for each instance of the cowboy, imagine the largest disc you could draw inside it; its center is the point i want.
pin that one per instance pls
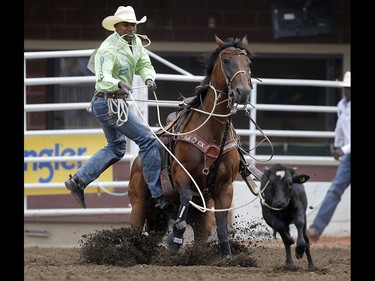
(342, 153)
(120, 56)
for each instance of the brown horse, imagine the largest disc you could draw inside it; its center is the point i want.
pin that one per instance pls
(206, 159)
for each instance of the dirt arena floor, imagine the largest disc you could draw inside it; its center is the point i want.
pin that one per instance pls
(102, 257)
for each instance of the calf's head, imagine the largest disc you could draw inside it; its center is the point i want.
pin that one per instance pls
(277, 185)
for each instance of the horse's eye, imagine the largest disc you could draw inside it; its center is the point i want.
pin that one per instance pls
(225, 60)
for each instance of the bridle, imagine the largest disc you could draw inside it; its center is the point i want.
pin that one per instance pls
(230, 93)
(228, 89)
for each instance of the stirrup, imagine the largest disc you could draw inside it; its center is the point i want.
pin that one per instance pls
(254, 188)
(247, 171)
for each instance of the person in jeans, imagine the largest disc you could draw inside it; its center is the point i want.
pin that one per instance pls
(120, 56)
(341, 153)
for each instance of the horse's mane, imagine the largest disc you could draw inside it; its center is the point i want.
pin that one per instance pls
(209, 62)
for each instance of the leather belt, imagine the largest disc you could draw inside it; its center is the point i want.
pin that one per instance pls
(112, 95)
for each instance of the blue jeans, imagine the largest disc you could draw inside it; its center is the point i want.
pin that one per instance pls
(332, 198)
(134, 129)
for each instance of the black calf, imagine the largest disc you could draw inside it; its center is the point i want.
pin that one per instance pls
(284, 202)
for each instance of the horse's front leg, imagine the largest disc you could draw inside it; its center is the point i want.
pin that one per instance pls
(222, 234)
(176, 239)
(224, 201)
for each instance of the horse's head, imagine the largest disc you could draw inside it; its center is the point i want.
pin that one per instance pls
(231, 70)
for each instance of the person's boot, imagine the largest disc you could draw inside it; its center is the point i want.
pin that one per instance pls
(76, 187)
(312, 234)
(161, 203)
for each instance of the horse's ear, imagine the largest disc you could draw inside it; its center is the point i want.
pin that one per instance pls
(219, 41)
(245, 42)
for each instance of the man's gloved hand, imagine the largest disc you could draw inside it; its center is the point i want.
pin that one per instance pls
(125, 87)
(151, 85)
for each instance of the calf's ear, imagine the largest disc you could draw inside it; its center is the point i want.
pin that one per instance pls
(301, 178)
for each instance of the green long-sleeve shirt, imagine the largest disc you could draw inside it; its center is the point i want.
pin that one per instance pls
(115, 62)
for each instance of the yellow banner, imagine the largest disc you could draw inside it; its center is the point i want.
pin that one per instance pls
(58, 172)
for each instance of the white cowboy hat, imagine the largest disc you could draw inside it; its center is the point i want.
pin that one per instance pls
(346, 79)
(122, 14)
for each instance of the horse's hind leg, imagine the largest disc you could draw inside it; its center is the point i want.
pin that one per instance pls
(138, 195)
(176, 239)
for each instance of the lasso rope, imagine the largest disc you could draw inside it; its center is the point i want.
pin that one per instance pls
(119, 107)
(186, 133)
(122, 116)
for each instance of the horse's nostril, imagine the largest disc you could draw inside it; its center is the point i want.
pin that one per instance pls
(243, 95)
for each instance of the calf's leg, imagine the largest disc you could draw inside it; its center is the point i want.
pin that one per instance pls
(303, 242)
(308, 253)
(287, 240)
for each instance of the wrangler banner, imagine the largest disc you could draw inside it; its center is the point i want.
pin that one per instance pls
(57, 171)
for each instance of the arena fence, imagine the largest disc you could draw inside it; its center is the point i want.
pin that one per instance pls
(185, 76)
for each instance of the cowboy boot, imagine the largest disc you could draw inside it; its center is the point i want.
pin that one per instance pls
(76, 186)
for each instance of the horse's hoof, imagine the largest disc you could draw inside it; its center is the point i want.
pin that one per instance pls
(225, 250)
(173, 249)
(174, 244)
